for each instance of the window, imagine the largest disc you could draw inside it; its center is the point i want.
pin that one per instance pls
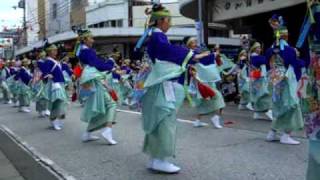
(113, 23)
(54, 11)
(119, 23)
(106, 24)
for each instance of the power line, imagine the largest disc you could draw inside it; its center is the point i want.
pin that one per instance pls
(32, 12)
(59, 9)
(35, 10)
(62, 8)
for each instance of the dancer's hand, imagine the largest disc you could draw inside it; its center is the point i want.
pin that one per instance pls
(49, 76)
(202, 55)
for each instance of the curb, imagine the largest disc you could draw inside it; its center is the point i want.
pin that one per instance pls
(30, 163)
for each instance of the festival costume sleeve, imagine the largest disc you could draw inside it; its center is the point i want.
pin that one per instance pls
(291, 57)
(160, 48)
(89, 56)
(41, 64)
(127, 69)
(66, 68)
(46, 68)
(208, 60)
(298, 68)
(17, 76)
(24, 76)
(116, 76)
(258, 61)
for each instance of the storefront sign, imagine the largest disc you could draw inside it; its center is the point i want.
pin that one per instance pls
(231, 9)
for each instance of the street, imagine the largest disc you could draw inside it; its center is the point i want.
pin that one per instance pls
(238, 152)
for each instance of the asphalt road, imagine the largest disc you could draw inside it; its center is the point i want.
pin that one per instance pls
(238, 152)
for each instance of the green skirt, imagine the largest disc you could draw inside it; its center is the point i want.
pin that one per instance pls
(5, 90)
(125, 89)
(260, 95)
(159, 121)
(42, 105)
(57, 93)
(286, 109)
(209, 106)
(24, 93)
(57, 109)
(313, 172)
(13, 86)
(40, 91)
(244, 88)
(57, 100)
(99, 108)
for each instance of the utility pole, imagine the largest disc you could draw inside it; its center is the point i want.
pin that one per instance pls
(205, 18)
(22, 5)
(130, 13)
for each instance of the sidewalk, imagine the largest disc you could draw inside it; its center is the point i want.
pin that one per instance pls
(7, 171)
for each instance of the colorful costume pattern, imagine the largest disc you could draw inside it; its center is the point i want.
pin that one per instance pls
(285, 102)
(260, 94)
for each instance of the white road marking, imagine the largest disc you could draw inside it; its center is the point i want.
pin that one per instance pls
(139, 113)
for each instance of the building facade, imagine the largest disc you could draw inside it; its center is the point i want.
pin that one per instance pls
(178, 20)
(250, 16)
(78, 13)
(108, 13)
(58, 16)
(32, 21)
(114, 23)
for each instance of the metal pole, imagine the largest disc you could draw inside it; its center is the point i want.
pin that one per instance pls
(24, 24)
(205, 20)
(200, 24)
(130, 13)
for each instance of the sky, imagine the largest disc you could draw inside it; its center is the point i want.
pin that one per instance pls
(10, 17)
